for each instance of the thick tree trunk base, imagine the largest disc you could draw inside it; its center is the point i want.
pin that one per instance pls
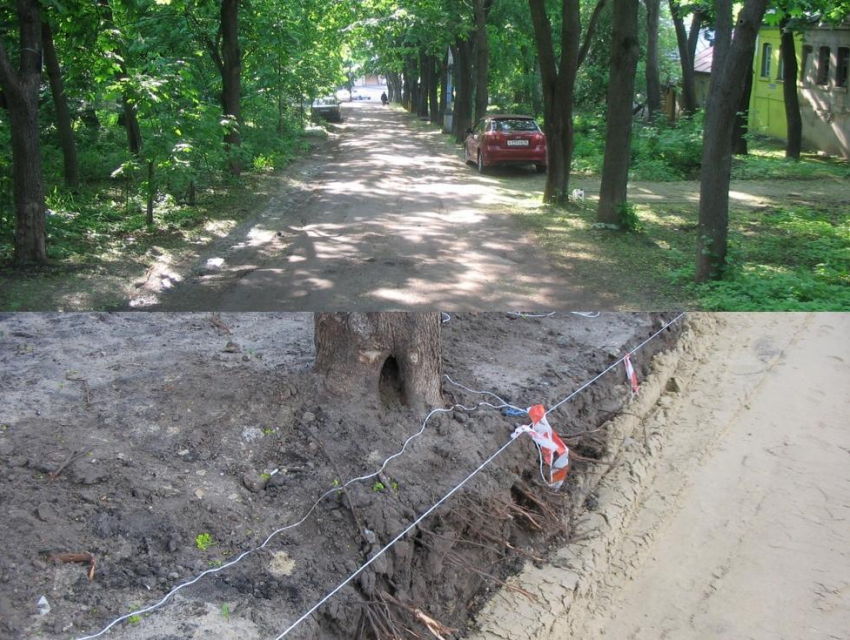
(394, 358)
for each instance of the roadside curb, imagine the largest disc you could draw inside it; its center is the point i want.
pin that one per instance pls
(575, 572)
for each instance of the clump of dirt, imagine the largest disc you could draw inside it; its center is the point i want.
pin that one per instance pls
(166, 445)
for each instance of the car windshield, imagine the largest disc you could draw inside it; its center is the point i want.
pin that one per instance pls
(515, 124)
(325, 101)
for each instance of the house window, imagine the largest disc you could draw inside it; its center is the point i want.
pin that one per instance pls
(766, 52)
(823, 66)
(806, 75)
(843, 65)
(780, 68)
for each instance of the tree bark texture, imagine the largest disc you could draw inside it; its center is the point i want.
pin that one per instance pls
(558, 79)
(434, 89)
(426, 75)
(394, 357)
(625, 48)
(63, 114)
(689, 93)
(742, 117)
(21, 90)
(482, 58)
(653, 79)
(789, 93)
(464, 89)
(728, 76)
(231, 78)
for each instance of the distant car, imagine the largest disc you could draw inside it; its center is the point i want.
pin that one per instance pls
(327, 108)
(506, 140)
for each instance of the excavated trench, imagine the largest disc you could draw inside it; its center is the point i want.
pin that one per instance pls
(190, 433)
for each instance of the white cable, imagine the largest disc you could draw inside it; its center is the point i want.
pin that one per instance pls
(444, 317)
(522, 314)
(485, 393)
(590, 382)
(411, 526)
(587, 314)
(309, 512)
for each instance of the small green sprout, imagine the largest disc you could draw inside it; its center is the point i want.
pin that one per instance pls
(225, 611)
(204, 541)
(378, 487)
(265, 476)
(268, 431)
(134, 619)
(336, 482)
(394, 485)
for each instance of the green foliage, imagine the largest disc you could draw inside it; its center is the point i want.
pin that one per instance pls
(225, 611)
(627, 217)
(204, 541)
(795, 259)
(378, 487)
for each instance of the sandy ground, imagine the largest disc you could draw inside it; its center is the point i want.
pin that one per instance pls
(734, 522)
(393, 220)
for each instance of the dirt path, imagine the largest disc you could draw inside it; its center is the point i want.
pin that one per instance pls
(736, 527)
(393, 220)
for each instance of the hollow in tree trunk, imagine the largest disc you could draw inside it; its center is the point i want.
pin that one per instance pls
(20, 88)
(621, 85)
(390, 357)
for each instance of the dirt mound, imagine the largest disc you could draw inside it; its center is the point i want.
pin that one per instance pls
(168, 445)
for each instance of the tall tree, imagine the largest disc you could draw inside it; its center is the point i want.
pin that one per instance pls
(793, 118)
(558, 75)
(653, 80)
(728, 77)
(60, 102)
(20, 88)
(621, 87)
(231, 79)
(686, 54)
(391, 357)
(482, 57)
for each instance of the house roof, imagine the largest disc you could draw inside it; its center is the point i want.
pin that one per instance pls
(703, 59)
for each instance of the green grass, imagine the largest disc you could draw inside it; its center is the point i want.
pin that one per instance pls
(794, 258)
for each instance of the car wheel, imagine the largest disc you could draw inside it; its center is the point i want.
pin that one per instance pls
(481, 168)
(541, 168)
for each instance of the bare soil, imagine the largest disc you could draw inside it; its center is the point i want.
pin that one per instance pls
(732, 521)
(127, 436)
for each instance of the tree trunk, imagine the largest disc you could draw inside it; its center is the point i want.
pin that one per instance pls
(558, 83)
(21, 90)
(426, 73)
(151, 194)
(482, 58)
(463, 87)
(689, 92)
(727, 83)
(653, 80)
(697, 20)
(231, 81)
(63, 115)
(434, 89)
(444, 83)
(742, 117)
(621, 85)
(391, 357)
(789, 93)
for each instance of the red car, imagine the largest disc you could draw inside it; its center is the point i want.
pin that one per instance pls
(506, 139)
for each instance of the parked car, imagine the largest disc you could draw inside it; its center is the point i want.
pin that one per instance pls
(506, 140)
(327, 108)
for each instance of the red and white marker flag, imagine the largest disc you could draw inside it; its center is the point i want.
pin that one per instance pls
(631, 375)
(555, 453)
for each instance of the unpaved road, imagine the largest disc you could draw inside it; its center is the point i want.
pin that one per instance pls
(740, 528)
(393, 220)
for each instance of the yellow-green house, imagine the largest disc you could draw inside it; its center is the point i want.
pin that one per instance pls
(823, 61)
